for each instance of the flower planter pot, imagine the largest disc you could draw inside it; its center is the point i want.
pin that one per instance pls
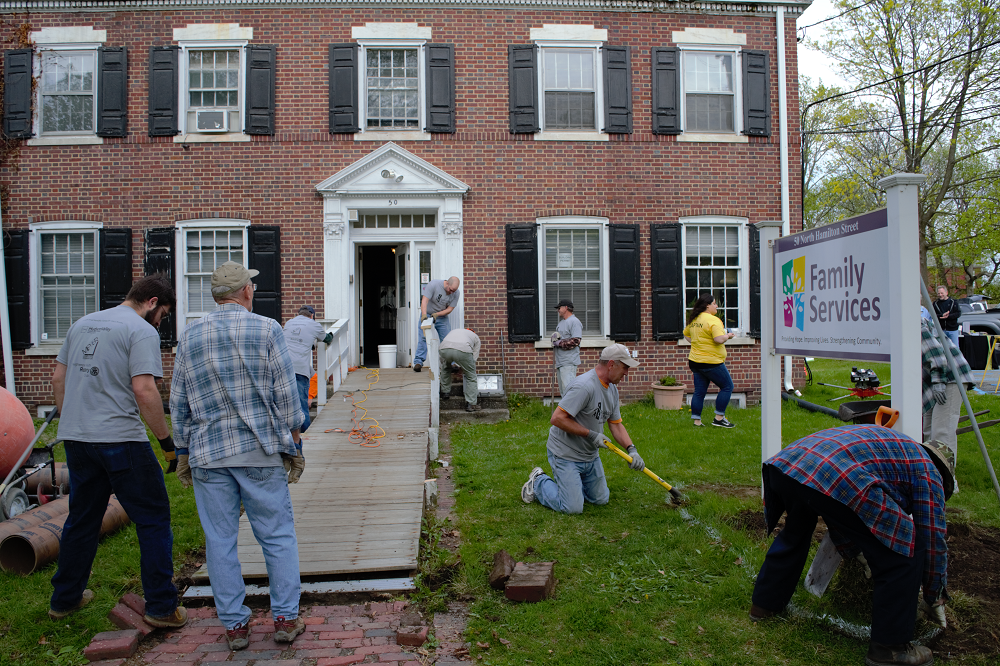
(668, 397)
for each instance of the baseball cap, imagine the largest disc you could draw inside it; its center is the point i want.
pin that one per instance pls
(618, 352)
(944, 460)
(568, 303)
(231, 276)
(310, 309)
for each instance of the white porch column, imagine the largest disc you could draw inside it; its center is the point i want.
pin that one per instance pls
(451, 252)
(337, 264)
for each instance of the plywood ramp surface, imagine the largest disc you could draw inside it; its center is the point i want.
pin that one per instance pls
(358, 509)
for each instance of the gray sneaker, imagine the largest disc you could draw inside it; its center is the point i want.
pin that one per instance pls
(528, 489)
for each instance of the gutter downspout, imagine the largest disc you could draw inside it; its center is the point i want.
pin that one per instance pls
(786, 225)
(8, 357)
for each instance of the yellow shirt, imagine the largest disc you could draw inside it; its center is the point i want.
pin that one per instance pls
(702, 331)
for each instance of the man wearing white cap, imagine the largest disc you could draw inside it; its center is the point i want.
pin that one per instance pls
(577, 433)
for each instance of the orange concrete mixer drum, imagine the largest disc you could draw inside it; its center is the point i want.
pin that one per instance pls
(17, 429)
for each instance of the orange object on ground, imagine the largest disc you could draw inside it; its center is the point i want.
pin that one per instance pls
(313, 389)
(17, 429)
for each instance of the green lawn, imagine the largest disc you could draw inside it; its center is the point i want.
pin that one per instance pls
(640, 582)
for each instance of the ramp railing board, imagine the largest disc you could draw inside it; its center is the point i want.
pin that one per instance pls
(331, 360)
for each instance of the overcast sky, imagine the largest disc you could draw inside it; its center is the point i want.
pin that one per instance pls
(812, 63)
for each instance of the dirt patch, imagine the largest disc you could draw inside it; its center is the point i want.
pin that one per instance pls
(726, 490)
(752, 522)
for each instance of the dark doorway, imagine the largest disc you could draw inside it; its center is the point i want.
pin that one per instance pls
(378, 300)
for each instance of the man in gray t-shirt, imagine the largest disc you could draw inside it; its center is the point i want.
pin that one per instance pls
(566, 345)
(437, 299)
(301, 334)
(577, 433)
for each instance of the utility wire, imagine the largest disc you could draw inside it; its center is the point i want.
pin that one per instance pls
(848, 11)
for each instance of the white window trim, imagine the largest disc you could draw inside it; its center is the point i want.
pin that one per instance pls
(743, 283)
(596, 134)
(52, 347)
(182, 106)
(736, 136)
(180, 257)
(576, 222)
(392, 134)
(78, 139)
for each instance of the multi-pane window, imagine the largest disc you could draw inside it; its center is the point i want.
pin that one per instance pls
(712, 264)
(67, 85)
(395, 221)
(67, 281)
(569, 81)
(213, 84)
(206, 250)
(573, 271)
(709, 92)
(393, 85)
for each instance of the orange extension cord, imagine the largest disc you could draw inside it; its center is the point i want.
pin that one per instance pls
(367, 436)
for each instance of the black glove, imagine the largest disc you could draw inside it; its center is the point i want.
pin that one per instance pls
(169, 453)
(328, 339)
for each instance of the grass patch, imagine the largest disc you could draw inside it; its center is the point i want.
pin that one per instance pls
(637, 583)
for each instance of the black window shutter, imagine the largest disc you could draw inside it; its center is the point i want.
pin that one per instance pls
(17, 94)
(261, 68)
(163, 84)
(617, 89)
(112, 67)
(624, 281)
(522, 283)
(756, 93)
(344, 106)
(754, 282)
(159, 258)
(17, 270)
(668, 302)
(441, 88)
(265, 256)
(523, 88)
(116, 266)
(666, 91)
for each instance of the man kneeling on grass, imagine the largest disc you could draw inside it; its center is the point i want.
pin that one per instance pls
(577, 433)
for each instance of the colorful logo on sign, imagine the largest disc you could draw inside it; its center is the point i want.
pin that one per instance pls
(793, 284)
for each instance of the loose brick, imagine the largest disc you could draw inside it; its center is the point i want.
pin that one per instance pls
(379, 632)
(503, 565)
(125, 617)
(112, 645)
(415, 636)
(531, 582)
(340, 661)
(135, 602)
(108, 662)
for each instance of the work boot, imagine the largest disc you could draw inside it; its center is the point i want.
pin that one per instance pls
(907, 654)
(285, 631)
(85, 599)
(239, 636)
(176, 619)
(417, 367)
(757, 613)
(469, 407)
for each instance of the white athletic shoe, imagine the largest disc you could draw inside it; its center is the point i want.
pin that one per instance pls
(528, 489)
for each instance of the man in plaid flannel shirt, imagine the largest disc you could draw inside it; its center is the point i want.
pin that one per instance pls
(942, 399)
(882, 494)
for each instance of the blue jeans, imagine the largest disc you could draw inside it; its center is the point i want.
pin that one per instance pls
(716, 374)
(953, 336)
(131, 471)
(264, 492)
(443, 327)
(574, 484)
(302, 383)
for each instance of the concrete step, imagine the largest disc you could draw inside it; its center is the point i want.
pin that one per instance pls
(482, 416)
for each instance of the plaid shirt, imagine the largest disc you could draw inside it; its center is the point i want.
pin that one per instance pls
(216, 408)
(936, 367)
(885, 478)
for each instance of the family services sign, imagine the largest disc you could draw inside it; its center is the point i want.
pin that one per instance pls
(834, 290)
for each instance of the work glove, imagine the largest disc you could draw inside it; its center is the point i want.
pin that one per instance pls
(637, 464)
(934, 614)
(328, 339)
(860, 557)
(940, 393)
(169, 453)
(294, 465)
(183, 469)
(555, 337)
(597, 439)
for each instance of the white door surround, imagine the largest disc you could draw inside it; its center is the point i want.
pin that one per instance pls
(409, 185)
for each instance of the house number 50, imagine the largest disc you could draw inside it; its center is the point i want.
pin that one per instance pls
(393, 202)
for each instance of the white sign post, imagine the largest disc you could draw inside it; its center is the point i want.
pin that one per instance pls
(770, 362)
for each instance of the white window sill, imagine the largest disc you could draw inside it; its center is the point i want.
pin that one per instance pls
(392, 135)
(89, 140)
(600, 343)
(734, 342)
(222, 137)
(591, 135)
(711, 137)
(43, 350)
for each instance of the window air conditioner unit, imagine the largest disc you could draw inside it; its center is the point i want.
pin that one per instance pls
(212, 120)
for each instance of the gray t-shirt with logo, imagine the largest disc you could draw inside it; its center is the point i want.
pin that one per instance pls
(591, 404)
(567, 328)
(437, 298)
(102, 353)
(301, 333)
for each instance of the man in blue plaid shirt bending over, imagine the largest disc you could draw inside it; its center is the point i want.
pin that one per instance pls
(880, 493)
(235, 413)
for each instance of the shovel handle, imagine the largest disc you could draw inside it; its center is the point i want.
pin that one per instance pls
(884, 413)
(645, 470)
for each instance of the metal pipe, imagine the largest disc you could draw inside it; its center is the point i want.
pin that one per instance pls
(8, 356)
(36, 516)
(810, 406)
(60, 474)
(29, 550)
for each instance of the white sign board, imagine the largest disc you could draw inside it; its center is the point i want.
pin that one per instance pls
(834, 290)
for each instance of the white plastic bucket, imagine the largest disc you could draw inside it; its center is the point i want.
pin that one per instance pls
(387, 356)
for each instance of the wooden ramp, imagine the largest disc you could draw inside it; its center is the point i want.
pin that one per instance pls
(358, 509)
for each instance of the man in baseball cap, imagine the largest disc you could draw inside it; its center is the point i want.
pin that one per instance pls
(230, 277)
(577, 433)
(566, 345)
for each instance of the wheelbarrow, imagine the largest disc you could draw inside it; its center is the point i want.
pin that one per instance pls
(26, 485)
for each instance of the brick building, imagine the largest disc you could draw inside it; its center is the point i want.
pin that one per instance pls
(615, 153)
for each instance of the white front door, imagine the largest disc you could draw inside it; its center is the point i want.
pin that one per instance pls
(404, 350)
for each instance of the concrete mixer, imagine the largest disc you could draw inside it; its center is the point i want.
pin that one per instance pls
(20, 461)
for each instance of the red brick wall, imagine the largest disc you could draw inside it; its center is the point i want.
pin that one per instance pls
(143, 182)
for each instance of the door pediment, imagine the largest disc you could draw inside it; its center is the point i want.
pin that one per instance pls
(391, 170)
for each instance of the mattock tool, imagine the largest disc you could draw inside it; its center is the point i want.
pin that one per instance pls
(675, 496)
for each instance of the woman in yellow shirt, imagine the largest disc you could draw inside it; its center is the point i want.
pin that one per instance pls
(707, 359)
